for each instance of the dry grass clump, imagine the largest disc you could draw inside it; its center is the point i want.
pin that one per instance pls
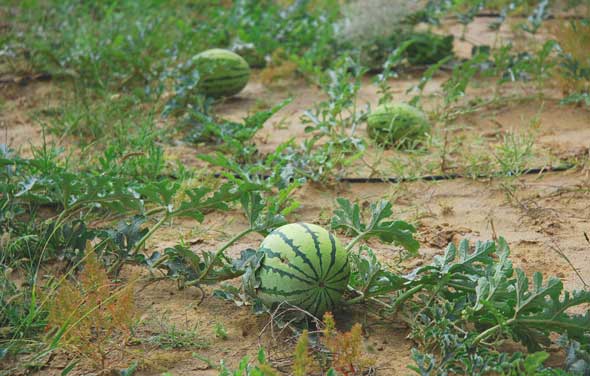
(346, 353)
(93, 317)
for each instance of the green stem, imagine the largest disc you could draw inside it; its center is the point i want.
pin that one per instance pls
(406, 295)
(63, 216)
(151, 232)
(488, 332)
(354, 241)
(461, 287)
(220, 252)
(383, 304)
(154, 211)
(358, 299)
(167, 216)
(539, 323)
(361, 297)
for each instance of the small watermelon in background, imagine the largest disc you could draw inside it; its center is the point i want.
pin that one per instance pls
(397, 124)
(303, 265)
(222, 73)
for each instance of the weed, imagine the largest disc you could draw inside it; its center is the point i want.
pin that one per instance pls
(17, 306)
(514, 153)
(345, 348)
(247, 369)
(220, 331)
(93, 319)
(171, 336)
(387, 73)
(302, 361)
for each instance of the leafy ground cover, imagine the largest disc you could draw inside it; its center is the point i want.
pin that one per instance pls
(131, 205)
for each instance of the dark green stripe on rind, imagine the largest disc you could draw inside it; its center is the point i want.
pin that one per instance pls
(270, 253)
(274, 255)
(275, 291)
(297, 251)
(312, 296)
(216, 85)
(343, 278)
(317, 302)
(284, 273)
(316, 243)
(344, 268)
(332, 254)
(225, 78)
(332, 303)
(339, 289)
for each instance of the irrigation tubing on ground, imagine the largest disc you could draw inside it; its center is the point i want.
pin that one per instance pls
(498, 14)
(397, 180)
(530, 171)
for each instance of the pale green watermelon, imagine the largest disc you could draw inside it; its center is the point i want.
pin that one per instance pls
(397, 124)
(303, 265)
(222, 72)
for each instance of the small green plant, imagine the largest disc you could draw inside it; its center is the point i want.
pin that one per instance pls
(168, 335)
(514, 153)
(247, 369)
(220, 331)
(301, 359)
(388, 72)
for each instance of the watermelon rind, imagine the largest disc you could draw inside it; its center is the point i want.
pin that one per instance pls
(303, 265)
(222, 73)
(397, 124)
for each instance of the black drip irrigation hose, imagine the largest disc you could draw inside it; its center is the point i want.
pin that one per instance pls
(397, 180)
(548, 17)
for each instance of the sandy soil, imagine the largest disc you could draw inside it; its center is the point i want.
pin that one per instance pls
(539, 215)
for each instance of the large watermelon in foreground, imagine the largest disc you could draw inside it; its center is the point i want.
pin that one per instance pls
(303, 265)
(222, 72)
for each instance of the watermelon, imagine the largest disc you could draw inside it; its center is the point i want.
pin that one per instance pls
(303, 265)
(397, 124)
(222, 73)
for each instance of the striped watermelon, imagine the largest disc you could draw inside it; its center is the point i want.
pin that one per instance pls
(222, 72)
(398, 124)
(303, 265)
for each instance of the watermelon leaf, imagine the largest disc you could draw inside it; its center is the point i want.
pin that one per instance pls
(498, 299)
(263, 214)
(369, 277)
(348, 217)
(189, 268)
